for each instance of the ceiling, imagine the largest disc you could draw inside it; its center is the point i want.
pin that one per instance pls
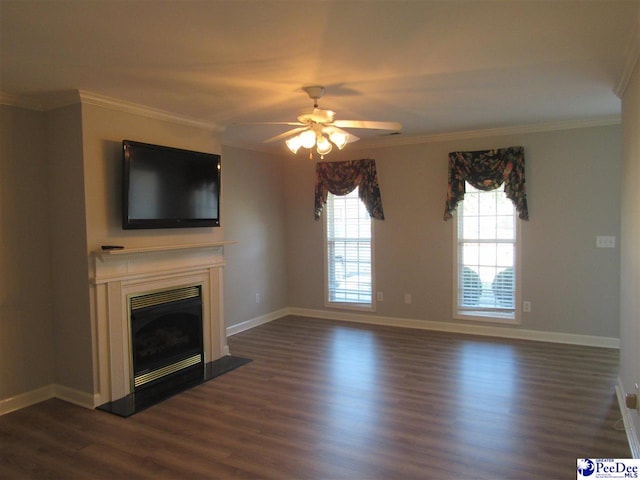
(435, 66)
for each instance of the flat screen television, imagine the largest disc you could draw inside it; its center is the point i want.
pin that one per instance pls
(165, 187)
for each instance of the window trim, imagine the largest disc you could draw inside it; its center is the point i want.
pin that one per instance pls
(489, 316)
(362, 307)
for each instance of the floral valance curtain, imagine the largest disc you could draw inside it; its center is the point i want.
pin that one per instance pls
(341, 178)
(487, 170)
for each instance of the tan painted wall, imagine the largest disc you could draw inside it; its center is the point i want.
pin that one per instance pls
(26, 323)
(71, 314)
(255, 219)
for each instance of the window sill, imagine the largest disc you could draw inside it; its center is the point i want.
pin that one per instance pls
(360, 307)
(489, 317)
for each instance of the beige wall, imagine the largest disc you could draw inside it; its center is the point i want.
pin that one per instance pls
(71, 314)
(630, 242)
(255, 219)
(26, 324)
(573, 182)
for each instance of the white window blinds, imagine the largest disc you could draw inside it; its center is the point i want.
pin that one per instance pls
(348, 251)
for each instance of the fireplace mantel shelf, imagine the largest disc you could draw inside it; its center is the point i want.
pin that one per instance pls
(127, 263)
(123, 252)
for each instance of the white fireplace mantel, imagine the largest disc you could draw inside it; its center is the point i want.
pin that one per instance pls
(118, 274)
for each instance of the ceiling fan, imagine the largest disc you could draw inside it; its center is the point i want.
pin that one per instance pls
(318, 127)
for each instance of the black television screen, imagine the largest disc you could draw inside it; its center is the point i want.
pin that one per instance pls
(166, 187)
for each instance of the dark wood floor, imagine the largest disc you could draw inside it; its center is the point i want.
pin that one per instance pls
(329, 400)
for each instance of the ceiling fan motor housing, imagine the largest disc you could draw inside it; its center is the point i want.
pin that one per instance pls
(314, 91)
(315, 115)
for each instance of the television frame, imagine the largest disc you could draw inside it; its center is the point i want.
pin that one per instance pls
(129, 223)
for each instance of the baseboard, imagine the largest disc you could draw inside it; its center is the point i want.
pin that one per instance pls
(77, 397)
(26, 399)
(629, 426)
(483, 330)
(254, 322)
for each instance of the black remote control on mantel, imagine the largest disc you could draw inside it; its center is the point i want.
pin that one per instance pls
(112, 247)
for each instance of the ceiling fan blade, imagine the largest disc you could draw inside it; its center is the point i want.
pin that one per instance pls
(285, 134)
(352, 138)
(368, 124)
(267, 123)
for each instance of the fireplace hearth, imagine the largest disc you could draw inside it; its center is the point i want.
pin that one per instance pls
(170, 386)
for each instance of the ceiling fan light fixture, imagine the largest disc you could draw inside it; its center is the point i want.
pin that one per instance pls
(324, 145)
(293, 143)
(317, 127)
(339, 139)
(308, 138)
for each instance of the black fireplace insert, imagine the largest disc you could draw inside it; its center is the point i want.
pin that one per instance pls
(166, 339)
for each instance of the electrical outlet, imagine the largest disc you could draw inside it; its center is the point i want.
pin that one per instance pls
(606, 241)
(526, 306)
(258, 298)
(379, 296)
(407, 298)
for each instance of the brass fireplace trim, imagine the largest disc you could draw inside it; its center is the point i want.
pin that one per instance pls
(164, 296)
(169, 369)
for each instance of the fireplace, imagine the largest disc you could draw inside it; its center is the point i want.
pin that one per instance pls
(143, 352)
(166, 339)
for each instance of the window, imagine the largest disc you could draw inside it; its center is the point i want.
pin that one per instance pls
(487, 253)
(348, 252)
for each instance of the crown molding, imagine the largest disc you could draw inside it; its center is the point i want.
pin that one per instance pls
(21, 101)
(631, 58)
(398, 140)
(43, 103)
(95, 99)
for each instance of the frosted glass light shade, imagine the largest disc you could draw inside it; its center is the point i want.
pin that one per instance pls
(308, 138)
(293, 143)
(340, 139)
(324, 145)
